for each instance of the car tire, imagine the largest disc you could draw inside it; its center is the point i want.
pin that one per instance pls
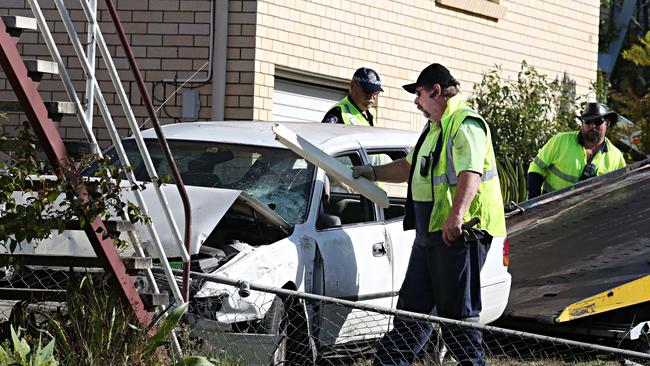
(286, 319)
(275, 323)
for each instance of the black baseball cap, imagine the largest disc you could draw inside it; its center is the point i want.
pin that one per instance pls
(368, 79)
(432, 74)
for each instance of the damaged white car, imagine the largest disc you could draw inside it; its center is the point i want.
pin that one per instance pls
(264, 215)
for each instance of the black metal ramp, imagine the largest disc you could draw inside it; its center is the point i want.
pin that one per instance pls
(579, 243)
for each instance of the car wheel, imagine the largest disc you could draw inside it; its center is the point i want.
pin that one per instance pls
(294, 345)
(275, 323)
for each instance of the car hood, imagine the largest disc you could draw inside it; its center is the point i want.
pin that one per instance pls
(208, 207)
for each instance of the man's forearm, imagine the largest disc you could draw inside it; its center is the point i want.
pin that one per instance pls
(394, 172)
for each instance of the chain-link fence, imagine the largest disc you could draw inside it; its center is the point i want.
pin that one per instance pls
(237, 323)
(27, 285)
(243, 324)
(80, 312)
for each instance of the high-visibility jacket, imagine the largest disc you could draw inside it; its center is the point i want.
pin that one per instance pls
(487, 205)
(562, 160)
(350, 114)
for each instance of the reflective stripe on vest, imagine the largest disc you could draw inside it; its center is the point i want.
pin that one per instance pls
(487, 205)
(556, 171)
(350, 114)
(452, 177)
(442, 179)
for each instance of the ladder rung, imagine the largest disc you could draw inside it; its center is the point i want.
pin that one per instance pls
(66, 108)
(31, 295)
(137, 263)
(56, 110)
(18, 23)
(42, 66)
(151, 300)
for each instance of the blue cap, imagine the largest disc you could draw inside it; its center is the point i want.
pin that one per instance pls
(368, 79)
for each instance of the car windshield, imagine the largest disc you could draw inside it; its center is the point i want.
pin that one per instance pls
(277, 177)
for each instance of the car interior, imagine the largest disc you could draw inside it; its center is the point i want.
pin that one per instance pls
(340, 205)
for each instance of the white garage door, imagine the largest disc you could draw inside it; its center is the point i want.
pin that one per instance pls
(294, 101)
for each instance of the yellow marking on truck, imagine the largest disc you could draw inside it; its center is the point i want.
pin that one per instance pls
(628, 294)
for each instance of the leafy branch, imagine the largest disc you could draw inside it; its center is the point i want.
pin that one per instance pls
(36, 200)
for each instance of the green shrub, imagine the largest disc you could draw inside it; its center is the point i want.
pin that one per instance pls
(524, 113)
(46, 205)
(18, 352)
(634, 104)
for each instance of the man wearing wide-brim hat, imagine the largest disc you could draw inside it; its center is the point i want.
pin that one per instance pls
(570, 157)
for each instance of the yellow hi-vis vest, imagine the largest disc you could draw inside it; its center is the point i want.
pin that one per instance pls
(351, 115)
(562, 160)
(487, 205)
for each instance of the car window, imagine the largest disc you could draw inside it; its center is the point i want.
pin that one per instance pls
(344, 202)
(396, 191)
(278, 178)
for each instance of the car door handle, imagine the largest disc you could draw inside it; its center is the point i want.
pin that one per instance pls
(378, 250)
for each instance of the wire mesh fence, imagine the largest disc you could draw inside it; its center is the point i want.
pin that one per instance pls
(245, 324)
(237, 323)
(21, 284)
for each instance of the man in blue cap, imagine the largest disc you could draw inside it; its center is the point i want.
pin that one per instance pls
(355, 108)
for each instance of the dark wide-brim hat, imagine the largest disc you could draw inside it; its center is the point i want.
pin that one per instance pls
(595, 111)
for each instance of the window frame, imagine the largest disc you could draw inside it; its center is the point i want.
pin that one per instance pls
(490, 9)
(380, 150)
(377, 212)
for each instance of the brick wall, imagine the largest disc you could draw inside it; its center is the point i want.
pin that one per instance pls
(170, 38)
(330, 38)
(241, 66)
(399, 38)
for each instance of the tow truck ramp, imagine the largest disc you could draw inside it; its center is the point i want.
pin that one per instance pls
(580, 258)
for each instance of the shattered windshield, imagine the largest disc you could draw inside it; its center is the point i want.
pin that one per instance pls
(277, 177)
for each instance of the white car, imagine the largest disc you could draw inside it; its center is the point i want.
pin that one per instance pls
(263, 214)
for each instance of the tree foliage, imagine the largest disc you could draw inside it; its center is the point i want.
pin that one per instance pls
(524, 113)
(635, 105)
(35, 199)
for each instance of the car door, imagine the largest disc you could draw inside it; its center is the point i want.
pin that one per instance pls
(399, 242)
(354, 264)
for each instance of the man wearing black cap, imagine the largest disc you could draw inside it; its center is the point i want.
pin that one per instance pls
(570, 157)
(355, 108)
(452, 178)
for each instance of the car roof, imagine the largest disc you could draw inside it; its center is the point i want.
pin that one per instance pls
(328, 137)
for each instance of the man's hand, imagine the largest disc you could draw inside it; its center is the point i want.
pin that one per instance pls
(367, 171)
(452, 229)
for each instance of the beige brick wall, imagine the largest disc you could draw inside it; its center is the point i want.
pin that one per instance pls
(399, 38)
(170, 38)
(330, 38)
(241, 65)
